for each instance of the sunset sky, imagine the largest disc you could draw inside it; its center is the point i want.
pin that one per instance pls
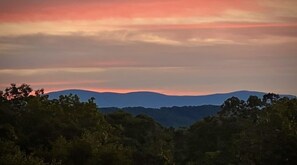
(183, 47)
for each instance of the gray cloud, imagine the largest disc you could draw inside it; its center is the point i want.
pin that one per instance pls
(186, 80)
(91, 62)
(46, 51)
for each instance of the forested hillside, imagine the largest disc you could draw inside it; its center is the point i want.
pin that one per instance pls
(37, 130)
(170, 116)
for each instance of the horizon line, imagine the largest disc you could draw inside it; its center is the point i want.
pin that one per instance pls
(159, 92)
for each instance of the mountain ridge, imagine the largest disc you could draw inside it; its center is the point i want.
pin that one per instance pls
(150, 99)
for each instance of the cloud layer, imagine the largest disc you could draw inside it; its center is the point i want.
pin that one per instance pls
(176, 47)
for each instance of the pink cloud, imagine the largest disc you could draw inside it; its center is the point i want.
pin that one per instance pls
(89, 10)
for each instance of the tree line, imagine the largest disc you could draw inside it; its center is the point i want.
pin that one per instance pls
(37, 130)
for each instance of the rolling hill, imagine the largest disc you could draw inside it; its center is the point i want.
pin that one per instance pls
(154, 100)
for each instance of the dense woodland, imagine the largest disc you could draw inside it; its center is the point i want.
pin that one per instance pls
(170, 116)
(36, 130)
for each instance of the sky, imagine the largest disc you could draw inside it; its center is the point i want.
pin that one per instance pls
(176, 47)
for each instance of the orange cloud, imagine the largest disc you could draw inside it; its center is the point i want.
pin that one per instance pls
(215, 26)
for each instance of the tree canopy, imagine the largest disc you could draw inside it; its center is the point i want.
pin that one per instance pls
(37, 130)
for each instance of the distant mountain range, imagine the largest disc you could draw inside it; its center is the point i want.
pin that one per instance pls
(154, 100)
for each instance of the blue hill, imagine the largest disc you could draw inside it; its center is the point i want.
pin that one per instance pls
(154, 100)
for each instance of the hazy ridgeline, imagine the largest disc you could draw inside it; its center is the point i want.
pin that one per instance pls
(37, 130)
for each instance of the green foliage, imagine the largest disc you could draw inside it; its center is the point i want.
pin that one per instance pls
(171, 116)
(10, 154)
(147, 139)
(36, 131)
(252, 132)
(58, 130)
